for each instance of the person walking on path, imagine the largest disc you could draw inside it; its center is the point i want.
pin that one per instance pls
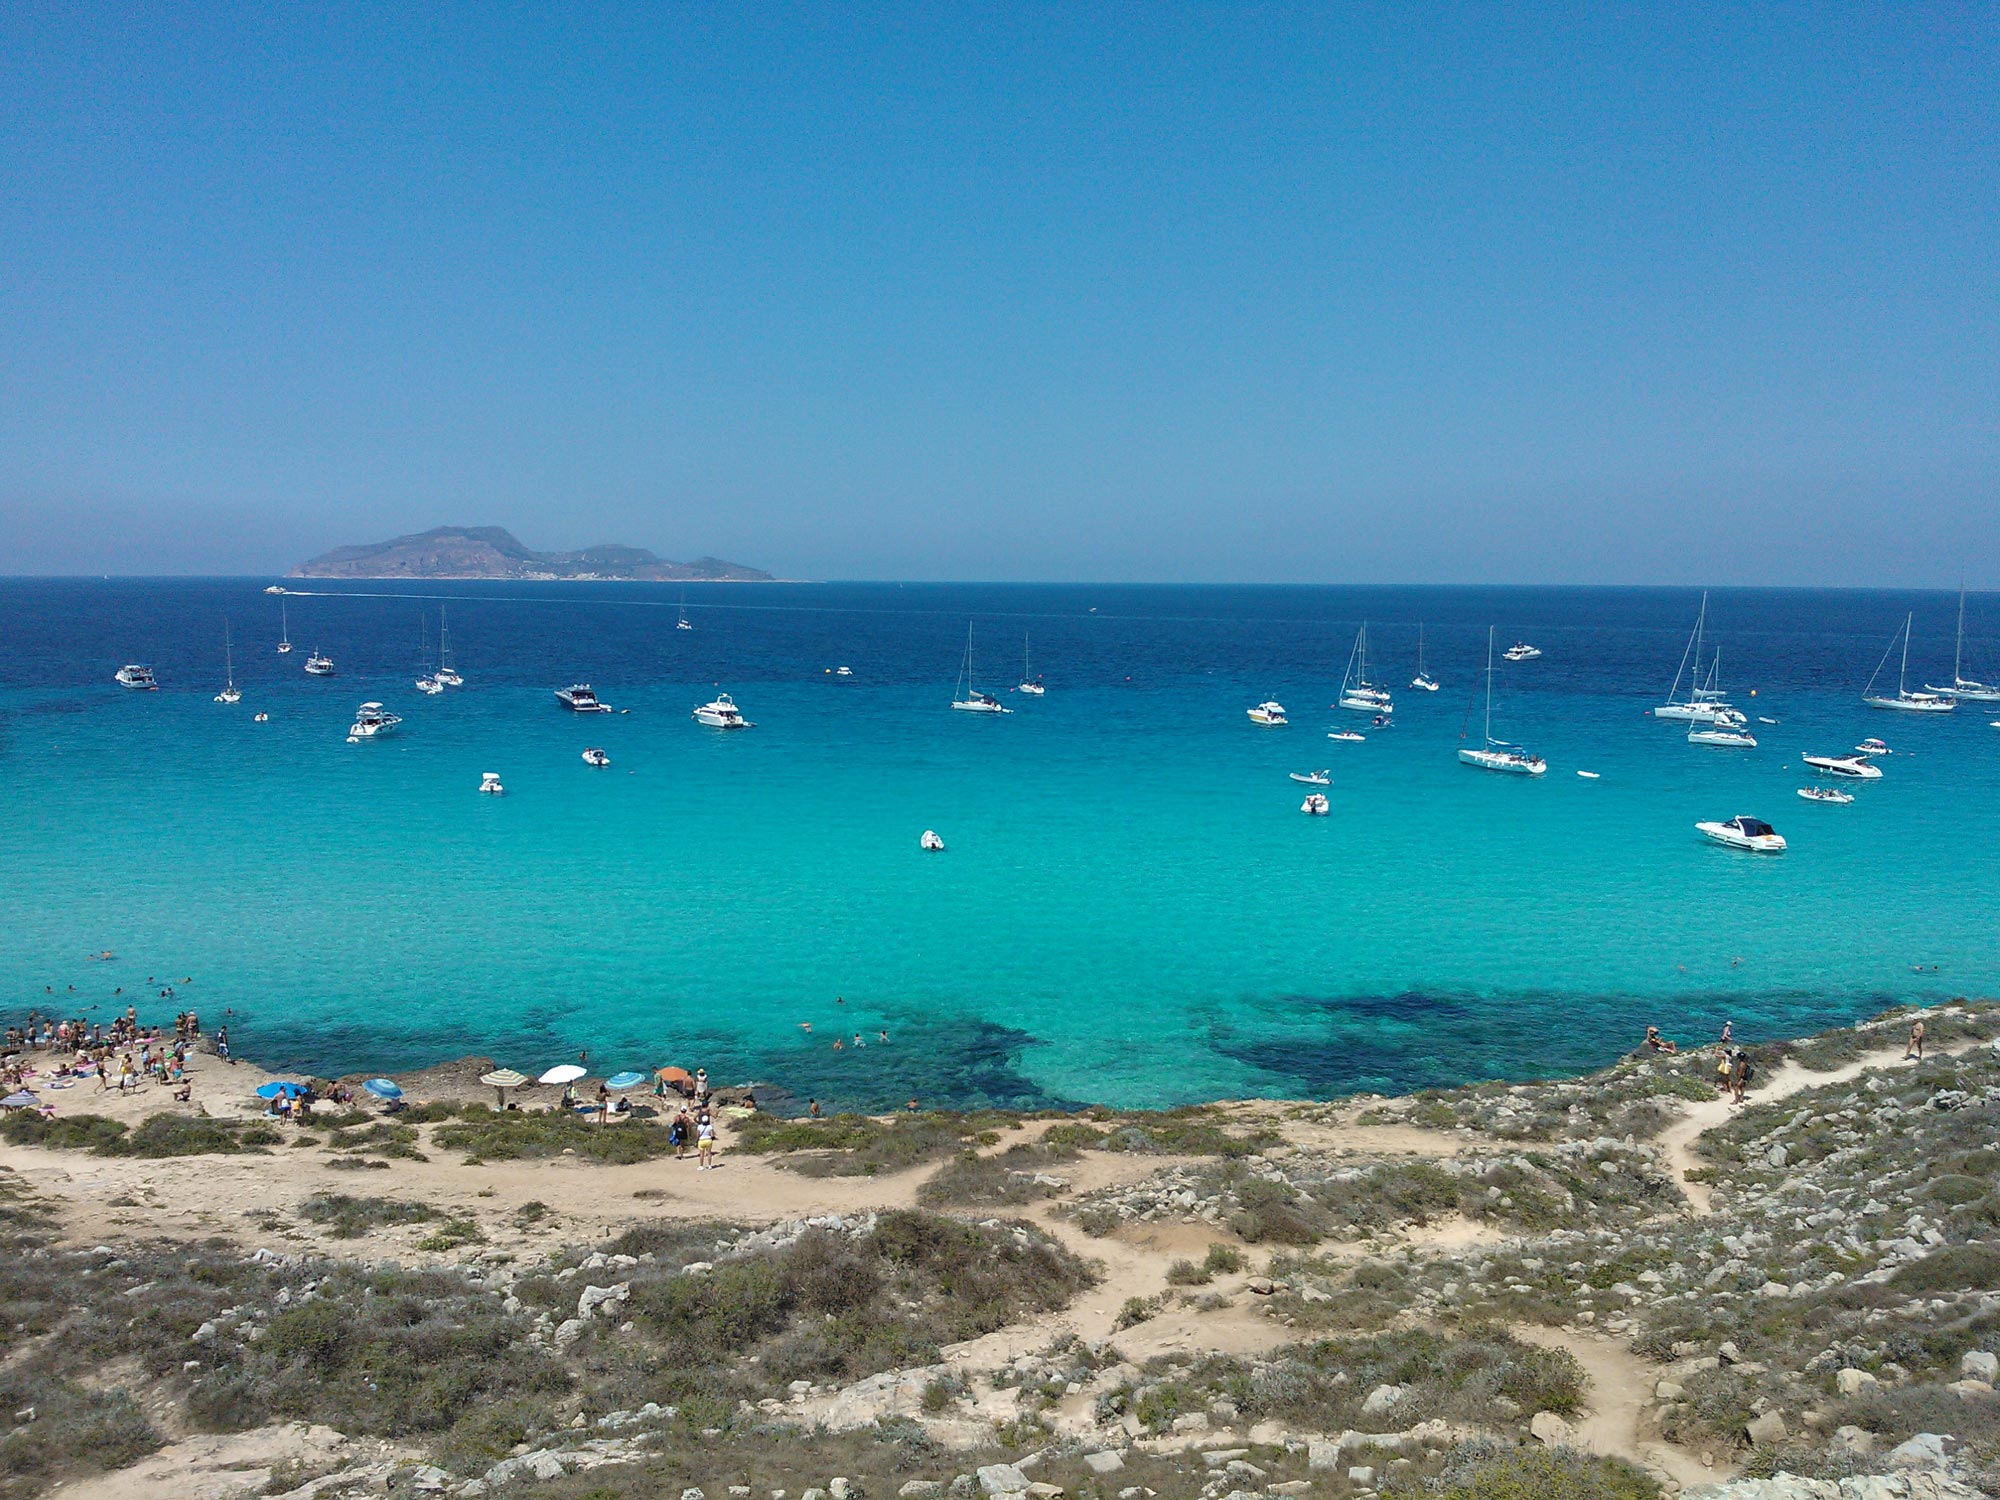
(1916, 1047)
(705, 1137)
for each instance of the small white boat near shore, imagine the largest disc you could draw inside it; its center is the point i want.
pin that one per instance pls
(1826, 794)
(1269, 713)
(595, 757)
(1315, 806)
(1313, 778)
(1751, 834)
(489, 783)
(930, 842)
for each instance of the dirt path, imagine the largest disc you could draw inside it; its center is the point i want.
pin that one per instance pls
(1621, 1387)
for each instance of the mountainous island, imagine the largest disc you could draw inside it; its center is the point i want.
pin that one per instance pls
(494, 552)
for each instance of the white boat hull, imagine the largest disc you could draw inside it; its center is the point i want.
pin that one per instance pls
(969, 706)
(1730, 838)
(1852, 767)
(1504, 761)
(1914, 703)
(1970, 692)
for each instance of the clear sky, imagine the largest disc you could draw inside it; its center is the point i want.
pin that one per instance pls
(1327, 292)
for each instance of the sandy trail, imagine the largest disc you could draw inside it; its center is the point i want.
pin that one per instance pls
(1621, 1387)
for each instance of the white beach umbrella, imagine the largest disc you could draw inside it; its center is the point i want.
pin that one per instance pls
(562, 1073)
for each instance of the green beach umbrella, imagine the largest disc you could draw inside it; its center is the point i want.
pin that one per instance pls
(504, 1079)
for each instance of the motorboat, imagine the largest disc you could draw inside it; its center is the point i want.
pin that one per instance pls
(430, 687)
(230, 692)
(1872, 746)
(1590, 775)
(721, 713)
(966, 698)
(1356, 691)
(1498, 755)
(1313, 778)
(930, 841)
(1346, 736)
(1521, 651)
(843, 671)
(1762, 720)
(137, 677)
(595, 757)
(1316, 805)
(489, 783)
(274, 589)
(1268, 713)
(1030, 684)
(371, 722)
(1423, 682)
(284, 631)
(1826, 794)
(1853, 767)
(260, 718)
(319, 666)
(1909, 702)
(578, 698)
(1967, 688)
(1753, 834)
(1718, 733)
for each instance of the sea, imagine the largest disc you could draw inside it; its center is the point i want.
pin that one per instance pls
(1131, 908)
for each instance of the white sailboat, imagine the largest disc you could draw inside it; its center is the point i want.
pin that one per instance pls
(1356, 691)
(1423, 682)
(964, 696)
(1498, 755)
(446, 675)
(682, 622)
(1705, 702)
(1961, 685)
(427, 682)
(284, 632)
(1030, 684)
(229, 693)
(1909, 702)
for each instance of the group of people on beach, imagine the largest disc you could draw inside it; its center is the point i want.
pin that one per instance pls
(123, 1055)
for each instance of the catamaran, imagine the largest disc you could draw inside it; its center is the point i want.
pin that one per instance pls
(1030, 684)
(1705, 703)
(284, 634)
(1356, 691)
(1920, 703)
(964, 696)
(230, 692)
(1423, 682)
(1961, 685)
(1498, 755)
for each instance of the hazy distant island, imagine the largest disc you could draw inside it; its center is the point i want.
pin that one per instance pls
(494, 552)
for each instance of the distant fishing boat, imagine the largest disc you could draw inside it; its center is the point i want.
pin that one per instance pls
(1499, 755)
(1962, 686)
(1909, 702)
(319, 666)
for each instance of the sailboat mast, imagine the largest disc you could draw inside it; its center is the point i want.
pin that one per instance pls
(1489, 687)
(1902, 688)
(1958, 646)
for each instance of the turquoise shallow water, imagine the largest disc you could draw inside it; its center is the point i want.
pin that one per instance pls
(1132, 908)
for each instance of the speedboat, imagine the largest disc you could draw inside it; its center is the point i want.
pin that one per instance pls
(1722, 734)
(1872, 747)
(931, 842)
(595, 757)
(1316, 805)
(578, 698)
(1268, 713)
(430, 687)
(1313, 778)
(722, 714)
(1753, 834)
(1826, 794)
(1589, 775)
(1854, 767)
(489, 783)
(1521, 651)
(1346, 736)
(319, 666)
(136, 677)
(372, 721)
(1909, 702)
(274, 589)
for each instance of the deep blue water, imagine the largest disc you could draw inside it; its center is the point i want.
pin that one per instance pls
(1132, 908)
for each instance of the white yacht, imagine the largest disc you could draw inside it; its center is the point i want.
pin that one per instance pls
(1872, 746)
(1521, 651)
(1753, 834)
(721, 713)
(1971, 690)
(1268, 712)
(1356, 691)
(137, 677)
(1030, 684)
(595, 757)
(1316, 805)
(1347, 736)
(1313, 778)
(284, 631)
(1826, 794)
(319, 666)
(1909, 702)
(1705, 703)
(964, 696)
(1853, 767)
(578, 698)
(274, 589)
(230, 692)
(446, 674)
(1423, 682)
(843, 671)
(372, 721)
(1729, 736)
(1498, 755)
(489, 783)
(430, 687)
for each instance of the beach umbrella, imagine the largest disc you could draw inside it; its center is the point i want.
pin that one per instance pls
(625, 1080)
(675, 1076)
(278, 1087)
(504, 1079)
(384, 1088)
(562, 1073)
(23, 1100)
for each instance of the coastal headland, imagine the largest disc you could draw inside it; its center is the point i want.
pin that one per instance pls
(1617, 1285)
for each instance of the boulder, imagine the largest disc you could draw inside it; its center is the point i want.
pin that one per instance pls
(1322, 1454)
(1924, 1451)
(1104, 1461)
(1550, 1430)
(1971, 1390)
(1853, 1382)
(1977, 1364)
(1383, 1399)
(1002, 1479)
(1766, 1431)
(920, 1489)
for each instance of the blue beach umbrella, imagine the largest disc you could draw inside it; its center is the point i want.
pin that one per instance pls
(383, 1088)
(625, 1080)
(279, 1087)
(22, 1100)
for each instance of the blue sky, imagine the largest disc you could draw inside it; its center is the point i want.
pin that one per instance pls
(1339, 293)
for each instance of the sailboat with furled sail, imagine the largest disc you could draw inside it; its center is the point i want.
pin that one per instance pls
(1909, 702)
(1962, 686)
(964, 696)
(1498, 755)
(230, 692)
